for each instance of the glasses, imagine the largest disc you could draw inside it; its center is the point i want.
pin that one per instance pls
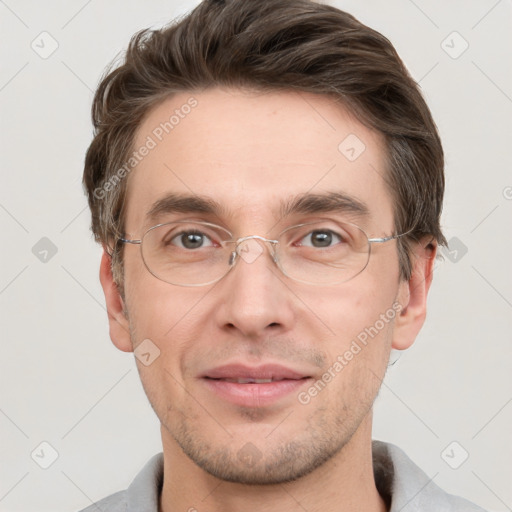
(194, 253)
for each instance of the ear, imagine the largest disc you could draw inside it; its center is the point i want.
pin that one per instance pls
(413, 295)
(117, 319)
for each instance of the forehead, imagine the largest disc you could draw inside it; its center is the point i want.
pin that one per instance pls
(252, 153)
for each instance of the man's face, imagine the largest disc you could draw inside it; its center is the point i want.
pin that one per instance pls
(249, 153)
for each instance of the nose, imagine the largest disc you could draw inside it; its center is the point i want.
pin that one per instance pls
(254, 299)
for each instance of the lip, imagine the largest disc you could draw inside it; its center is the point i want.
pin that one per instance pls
(266, 371)
(285, 381)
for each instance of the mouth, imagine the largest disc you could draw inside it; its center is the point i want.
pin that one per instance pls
(251, 380)
(254, 386)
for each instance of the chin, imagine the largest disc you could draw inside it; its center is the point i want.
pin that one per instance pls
(261, 465)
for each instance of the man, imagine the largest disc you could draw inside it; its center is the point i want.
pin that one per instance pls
(267, 181)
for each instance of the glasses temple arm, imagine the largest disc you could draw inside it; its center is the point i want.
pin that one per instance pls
(128, 241)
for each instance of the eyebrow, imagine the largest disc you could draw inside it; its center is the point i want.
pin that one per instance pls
(179, 203)
(307, 203)
(329, 202)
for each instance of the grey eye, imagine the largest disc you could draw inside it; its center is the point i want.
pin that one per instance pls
(191, 240)
(320, 238)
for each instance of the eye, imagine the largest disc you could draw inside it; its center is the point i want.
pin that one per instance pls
(191, 239)
(320, 238)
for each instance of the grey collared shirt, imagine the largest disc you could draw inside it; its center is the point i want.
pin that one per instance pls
(402, 484)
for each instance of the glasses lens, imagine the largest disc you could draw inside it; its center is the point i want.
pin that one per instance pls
(186, 253)
(323, 252)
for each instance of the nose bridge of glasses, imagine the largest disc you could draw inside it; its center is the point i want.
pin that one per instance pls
(249, 248)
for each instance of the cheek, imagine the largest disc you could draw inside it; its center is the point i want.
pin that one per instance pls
(154, 306)
(171, 317)
(349, 309)
(359, 317)
(163, 322)
(360, 355)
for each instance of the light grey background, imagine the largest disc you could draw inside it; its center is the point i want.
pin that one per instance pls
(61, 379)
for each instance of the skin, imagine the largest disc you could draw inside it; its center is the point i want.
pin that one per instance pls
(247, 151)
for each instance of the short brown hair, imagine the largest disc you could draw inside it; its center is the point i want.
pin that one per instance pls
(296, 45)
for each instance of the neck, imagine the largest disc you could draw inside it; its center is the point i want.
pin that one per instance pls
(344, 482)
